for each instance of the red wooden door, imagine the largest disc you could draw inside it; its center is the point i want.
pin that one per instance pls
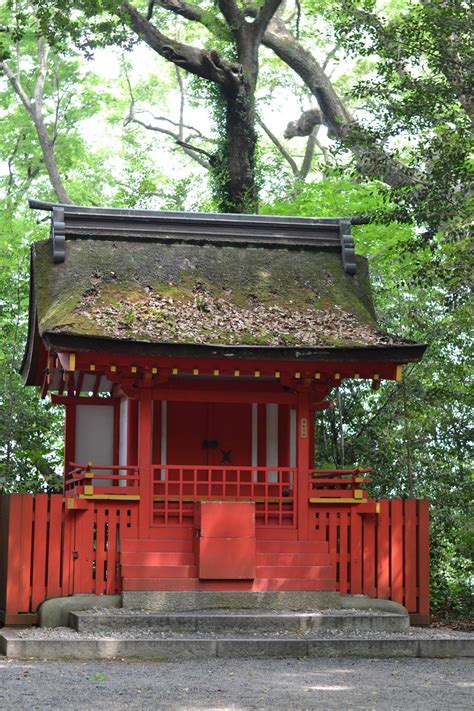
(217, 434)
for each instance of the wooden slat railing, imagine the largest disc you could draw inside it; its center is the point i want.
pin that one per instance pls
(95, 480)
(48, 551)
(384, 555)
(177, 487)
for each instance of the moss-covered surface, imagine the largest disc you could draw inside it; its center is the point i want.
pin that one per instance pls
(184, 293)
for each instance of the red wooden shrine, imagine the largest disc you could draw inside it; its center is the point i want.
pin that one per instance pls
(190, 353)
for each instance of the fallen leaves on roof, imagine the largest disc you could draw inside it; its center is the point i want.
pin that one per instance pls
(209, 319)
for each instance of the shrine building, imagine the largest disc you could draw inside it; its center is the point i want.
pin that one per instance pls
(190, 353)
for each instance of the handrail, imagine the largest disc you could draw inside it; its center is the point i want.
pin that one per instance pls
(82, 477)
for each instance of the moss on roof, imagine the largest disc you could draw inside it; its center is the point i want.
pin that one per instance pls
(204, 294)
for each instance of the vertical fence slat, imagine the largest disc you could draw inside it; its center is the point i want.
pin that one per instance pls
(39, 572)
(383, 551)
(356, 554)
(19, 554)
(111, 550)
(69, 522)
(54, 545)
(368, 554)
(343, 552)
(423, 561)
(100, 551)
(410, 582)
(84, 549)
(396, 550)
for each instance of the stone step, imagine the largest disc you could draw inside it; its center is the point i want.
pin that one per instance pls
(241, 621)
(257, 585)
(189, 600)
(14, 644)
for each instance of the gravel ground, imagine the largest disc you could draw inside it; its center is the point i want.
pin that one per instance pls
(343, 684)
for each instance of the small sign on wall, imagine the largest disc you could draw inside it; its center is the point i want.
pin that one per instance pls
(304, 427)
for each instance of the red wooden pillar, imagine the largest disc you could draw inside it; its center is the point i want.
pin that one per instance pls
(144, 462)
(69, 436)
(303, 460)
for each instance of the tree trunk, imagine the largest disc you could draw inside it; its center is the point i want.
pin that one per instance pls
(234, 167)
(47, 149)
(235, 178)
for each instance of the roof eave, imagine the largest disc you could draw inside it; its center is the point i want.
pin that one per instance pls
(405, 353)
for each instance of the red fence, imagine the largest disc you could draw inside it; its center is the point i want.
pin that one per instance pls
(47, 551)
(384, 555)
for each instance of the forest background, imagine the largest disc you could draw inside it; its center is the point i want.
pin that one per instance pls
(303, 107)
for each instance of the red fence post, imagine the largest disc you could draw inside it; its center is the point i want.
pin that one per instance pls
(423, 540)
(396, 550)
(383, 550)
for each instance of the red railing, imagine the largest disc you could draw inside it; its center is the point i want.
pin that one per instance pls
(102, 480)
(340, 484)
(177, 487)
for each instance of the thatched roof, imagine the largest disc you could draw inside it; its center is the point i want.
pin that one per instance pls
(174, 291)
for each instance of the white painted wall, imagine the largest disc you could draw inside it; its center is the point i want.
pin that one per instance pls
(164, 436)
(272, 440)
(292, 438)
(95, 436)
(123, 443)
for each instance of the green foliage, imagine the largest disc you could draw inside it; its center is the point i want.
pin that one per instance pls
(31, 432)
(417, 435)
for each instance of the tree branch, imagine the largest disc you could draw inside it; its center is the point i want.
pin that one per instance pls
(196, 14)
(308, 154)
(280, 147)
(371, 157)
(231, 14)
(16, 84)
(264, 16)
(192, 151)
(204, 63)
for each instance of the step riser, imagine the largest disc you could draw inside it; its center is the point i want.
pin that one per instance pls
(232, 623)
(313, 547)
(181, 545)
(293, 572)
(160, 571)
(158, 545)
(157, 558)
(293, 559)
(262, 584)
(195, 600)
(15, 647)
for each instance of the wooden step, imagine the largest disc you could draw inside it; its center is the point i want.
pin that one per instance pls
(260, 585)
(293, 572)
(159, 571)
(292, 546)
(158, 545)
(293, 559)
(156, 558)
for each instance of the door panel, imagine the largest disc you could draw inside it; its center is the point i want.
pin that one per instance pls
(217, 434)
(187, 430)
(231, 426)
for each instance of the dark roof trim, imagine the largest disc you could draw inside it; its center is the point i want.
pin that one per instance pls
(74, 222)
(406, 353)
